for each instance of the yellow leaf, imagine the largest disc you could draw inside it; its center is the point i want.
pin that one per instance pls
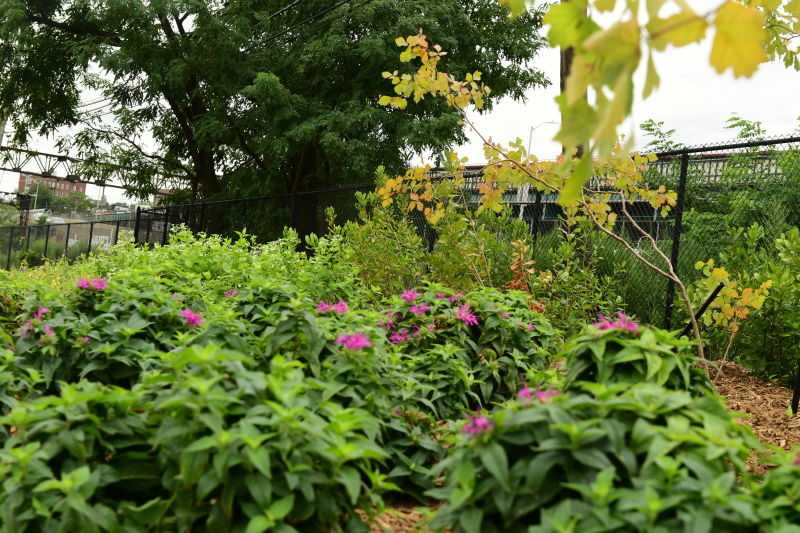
(572, 189)
(652, 80)
(739, 40)
(604, 5)
(678, 30)
(384, 100)
(400, 42)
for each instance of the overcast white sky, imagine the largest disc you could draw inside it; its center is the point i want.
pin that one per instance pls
(692, 99)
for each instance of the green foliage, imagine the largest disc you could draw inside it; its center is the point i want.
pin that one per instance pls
(616, 355)
(207, 443)
(231, 90)
(777, 496)
(625, 457)
(385, 247)
(472, 348)
(474, 249)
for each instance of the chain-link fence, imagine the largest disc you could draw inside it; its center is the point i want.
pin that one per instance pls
(262, 216)
(721, 191)
(34, 244)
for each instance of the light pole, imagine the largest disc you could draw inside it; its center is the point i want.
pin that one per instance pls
(530, 135)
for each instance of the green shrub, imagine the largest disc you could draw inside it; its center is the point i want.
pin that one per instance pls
(471, 348)
(619, 355)
(206, 444)
(621, 458)
(777, 496)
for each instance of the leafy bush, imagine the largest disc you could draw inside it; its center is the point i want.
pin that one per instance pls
(205, 444)
(469, 347)
(626, 457)
(385, 247)
(619, 355)
(777, 496)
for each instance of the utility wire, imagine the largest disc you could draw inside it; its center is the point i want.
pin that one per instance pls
(329, 22)
(322, 13)
(281, 10)
(98, 101)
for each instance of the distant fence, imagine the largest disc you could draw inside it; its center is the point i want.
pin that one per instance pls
(34, 244)
(721, 189)
(262, 216)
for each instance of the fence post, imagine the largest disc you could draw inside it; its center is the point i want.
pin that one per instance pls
(66, 242)
(676, 238)
(136, 224)
(27, 238)
(166, 224)
(10, 245)
(537, 213)
(46, 240)
(91, 234)
(116, 233)
(201, 224)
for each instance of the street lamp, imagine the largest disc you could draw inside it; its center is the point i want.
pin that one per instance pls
(530, 136)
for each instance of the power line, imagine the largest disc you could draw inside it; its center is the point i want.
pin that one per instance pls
(281, 10)
(322, 13)
(329, 22)
(98, 101)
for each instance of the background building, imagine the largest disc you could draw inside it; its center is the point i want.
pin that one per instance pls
(60, 186)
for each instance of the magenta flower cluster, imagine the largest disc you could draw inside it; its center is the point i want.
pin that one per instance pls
(231, 294)
(526, 395)
(622, 322)
(477, 424)
(192, 318)
(97, 284)
(419, 309)
(465, 315)
(36, 316)
(353, 341)
(339, 307)
(410, 295)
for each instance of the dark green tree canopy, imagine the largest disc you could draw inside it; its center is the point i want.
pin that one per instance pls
(245, 96)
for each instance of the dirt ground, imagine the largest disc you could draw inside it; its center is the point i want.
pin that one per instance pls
(765, 405)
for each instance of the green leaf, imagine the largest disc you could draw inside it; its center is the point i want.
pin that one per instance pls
(351, 479)
(280, 509)
(495, 460)
(259, 524)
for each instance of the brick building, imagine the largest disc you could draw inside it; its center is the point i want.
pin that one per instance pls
(60, 186)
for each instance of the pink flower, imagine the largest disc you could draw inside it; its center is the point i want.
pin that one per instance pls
(353, 341)
(466, 316)
(410, 295)
(441, 295)
(525, 393)
(85, 339)
(82, 283)
(454, 299)
(48, 331)
(38, 314)
(99, 284)
(9, 347)
(323, 307)
(389, 322)
(340, 307)
(231, 294)
(192, 318)
(506, 315)
(419, 309)
(531, 327)
(622, 322)
(477, 424)
(399, 337)
(545, 396)
(175, 296)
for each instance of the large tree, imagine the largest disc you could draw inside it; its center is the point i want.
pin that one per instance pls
(246, 96)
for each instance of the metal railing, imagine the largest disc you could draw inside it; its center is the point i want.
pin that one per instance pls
(37, 243)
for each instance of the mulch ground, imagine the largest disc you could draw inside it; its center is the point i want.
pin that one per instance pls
(764, 403)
